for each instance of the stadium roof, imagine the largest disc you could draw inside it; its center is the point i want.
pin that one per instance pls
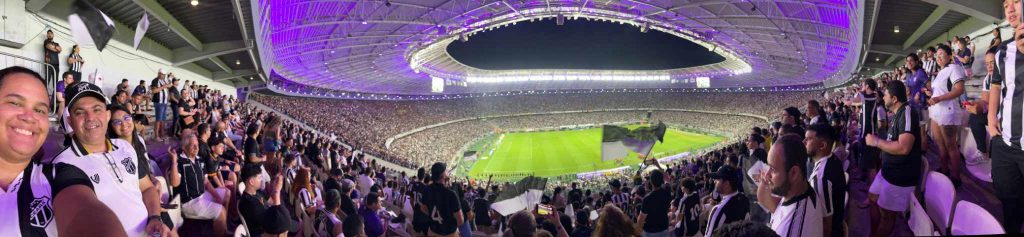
(920, 23)
(385, 46)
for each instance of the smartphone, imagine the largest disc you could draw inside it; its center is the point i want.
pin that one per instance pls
(544, 209)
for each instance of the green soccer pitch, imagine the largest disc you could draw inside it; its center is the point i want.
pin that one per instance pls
(558, 153)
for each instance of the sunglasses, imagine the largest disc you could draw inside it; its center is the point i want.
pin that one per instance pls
(118, 122)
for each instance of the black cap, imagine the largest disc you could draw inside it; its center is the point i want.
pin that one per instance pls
(337, 172)
(727, 173)
(82, 89)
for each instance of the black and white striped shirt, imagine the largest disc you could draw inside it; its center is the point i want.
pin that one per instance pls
(929, 66)
(734, 207)
(829, 181)
(160, 96)
(77, 66)
(1010, 114)
(799, 216)
(620, 200)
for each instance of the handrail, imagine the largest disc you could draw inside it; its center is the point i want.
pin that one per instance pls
(22, 57)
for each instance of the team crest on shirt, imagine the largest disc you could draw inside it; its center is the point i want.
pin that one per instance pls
(95, 178)
(128, 165)
(40, 212)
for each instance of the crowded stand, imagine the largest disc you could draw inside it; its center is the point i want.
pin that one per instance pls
(931, 147)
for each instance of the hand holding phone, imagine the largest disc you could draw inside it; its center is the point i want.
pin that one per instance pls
(544, 210)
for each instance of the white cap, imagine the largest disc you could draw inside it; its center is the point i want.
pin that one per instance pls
(161, 71)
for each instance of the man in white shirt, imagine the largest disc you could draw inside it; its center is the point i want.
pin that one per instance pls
(827, 177)
(799, 211)
(365, 182)
(120, 178)
(41, 199)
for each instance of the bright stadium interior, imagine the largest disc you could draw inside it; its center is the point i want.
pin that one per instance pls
(511, 118)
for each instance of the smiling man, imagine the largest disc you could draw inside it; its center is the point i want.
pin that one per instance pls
(119, 176)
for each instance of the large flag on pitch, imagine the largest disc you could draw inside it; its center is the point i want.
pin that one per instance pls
(616, 141)
(469, 156)
(89, 26)
(520, 196)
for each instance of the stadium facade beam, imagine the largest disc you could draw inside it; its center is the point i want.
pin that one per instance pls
(221, 64)
(187, 55)
(220, 76)
(988, 11)
(889, 49)
(157, 11)
(871, 28)
(240, 15)
(927, 24)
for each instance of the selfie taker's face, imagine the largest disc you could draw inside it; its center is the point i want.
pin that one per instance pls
(1011, 9)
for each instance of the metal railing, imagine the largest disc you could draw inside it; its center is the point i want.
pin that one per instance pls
(10, 60)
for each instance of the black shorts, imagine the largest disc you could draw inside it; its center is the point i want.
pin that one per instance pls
(868, 157)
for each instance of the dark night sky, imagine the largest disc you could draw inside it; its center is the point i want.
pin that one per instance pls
(579, 44)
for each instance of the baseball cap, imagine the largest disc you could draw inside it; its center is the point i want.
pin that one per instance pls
(82, 89)
(727, 173)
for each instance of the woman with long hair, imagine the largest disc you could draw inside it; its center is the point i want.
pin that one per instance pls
(304, 188)
(122, 127)
(945, 112)
(613, 222)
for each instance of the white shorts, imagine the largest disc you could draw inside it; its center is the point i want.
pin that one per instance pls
(946, 119)
(203, 207)
(891, 197)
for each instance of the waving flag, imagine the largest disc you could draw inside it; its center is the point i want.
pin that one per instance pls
(520, 196)
(616, 141)
(89, 26)
(140, 29)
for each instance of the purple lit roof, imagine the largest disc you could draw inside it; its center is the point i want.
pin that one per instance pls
(366, 45)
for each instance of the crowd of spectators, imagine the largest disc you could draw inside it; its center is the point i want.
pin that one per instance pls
(368, 124)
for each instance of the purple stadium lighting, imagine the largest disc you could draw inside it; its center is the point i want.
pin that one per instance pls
(360, 46)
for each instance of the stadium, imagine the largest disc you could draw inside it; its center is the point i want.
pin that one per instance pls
(511, 118)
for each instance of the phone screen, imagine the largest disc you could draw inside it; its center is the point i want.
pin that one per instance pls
(544, 210)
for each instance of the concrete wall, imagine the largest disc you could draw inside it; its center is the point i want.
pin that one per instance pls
(118, 60)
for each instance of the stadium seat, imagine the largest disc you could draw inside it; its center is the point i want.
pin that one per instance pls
(971, 219)
(939, 196)
(919, 221)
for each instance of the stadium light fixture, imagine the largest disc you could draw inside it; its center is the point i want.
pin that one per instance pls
(194, 2)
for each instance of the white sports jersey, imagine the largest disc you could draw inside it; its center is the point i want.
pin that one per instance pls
(800, 216)
(115, 177)
(40, 205)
